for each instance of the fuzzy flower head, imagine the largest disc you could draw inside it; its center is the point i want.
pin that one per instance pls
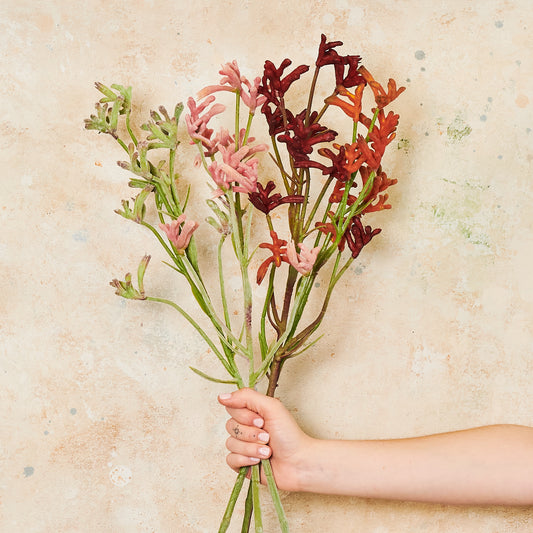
(198, 119)
(236, 167)
(328, 56)
(303, 262)
(233, 81)
(279, 255)
(382, 97)
(352, 107)
(265, 201)
(179, 235)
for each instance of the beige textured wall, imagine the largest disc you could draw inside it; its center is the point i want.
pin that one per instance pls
(102, 426)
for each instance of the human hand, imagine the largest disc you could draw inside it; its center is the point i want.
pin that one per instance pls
(261, 427)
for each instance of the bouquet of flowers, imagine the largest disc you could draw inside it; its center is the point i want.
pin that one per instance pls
(326, 187)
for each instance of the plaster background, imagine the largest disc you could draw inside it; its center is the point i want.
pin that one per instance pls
(439, 333)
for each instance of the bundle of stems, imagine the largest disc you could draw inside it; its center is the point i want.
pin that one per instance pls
(325, 211)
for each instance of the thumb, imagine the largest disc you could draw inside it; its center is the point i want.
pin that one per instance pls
(250, 399)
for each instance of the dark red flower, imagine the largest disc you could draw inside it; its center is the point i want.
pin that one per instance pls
(328, 56)
(275, 119)
(337, 169)
(273, 86)
(304, 137)
(262, 200)
(353, 76)
(358, 235)
(279, 254)
(326, 53)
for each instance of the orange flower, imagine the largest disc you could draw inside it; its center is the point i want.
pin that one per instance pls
(352, 108)
(380, 184)
(354, 157)
(382, 98)
(279, 254)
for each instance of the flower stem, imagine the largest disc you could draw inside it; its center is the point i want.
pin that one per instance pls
(248, 508)
(222, 285)
(233, 500)
(128, 127)
(256, 483)
(274, 494)
(231, 369)
(311, 95)
(237, 119)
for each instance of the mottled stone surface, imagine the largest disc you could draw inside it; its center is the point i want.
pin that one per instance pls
(103, 426)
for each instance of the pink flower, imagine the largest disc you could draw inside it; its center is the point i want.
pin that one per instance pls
(179, 236)
(237, 167)
(303, 262)
(252, 99)
(197, 123)
(232, 81)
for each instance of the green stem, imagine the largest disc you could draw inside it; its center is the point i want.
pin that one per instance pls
(202, 155)
(221, 281)
(165, 246)
(128, 127)
(317, 204)
(248, 127)
(231, 369)
(233, 500)
(122, 143)
(256, 484)
(248, 508)
(280, 164)
(173, 190)
(274, 494)
(237, 121)
(240, 246)
(268, 297)
(371, 127)
(197, 282)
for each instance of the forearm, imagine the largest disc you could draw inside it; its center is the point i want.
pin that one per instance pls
(488, 465)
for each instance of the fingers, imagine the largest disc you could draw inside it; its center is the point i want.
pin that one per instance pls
(245, 453)
(247, 442)
(250, 400)
(246, 433)
(246, 417)
(236, 461)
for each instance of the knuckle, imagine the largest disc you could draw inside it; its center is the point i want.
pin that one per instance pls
(229, 424)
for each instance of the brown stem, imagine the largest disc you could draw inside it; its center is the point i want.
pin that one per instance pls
(274, 320)
(274, 311)
(291, 280)
(275, 370)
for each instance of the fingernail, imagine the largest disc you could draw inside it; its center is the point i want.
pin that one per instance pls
(224, 396)
(259, 422)
(264, 451)
(254, 459)
(263, 437)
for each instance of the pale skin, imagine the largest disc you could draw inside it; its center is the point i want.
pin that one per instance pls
(491, 465)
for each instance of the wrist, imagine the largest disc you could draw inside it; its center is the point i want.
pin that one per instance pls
(310, 468)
